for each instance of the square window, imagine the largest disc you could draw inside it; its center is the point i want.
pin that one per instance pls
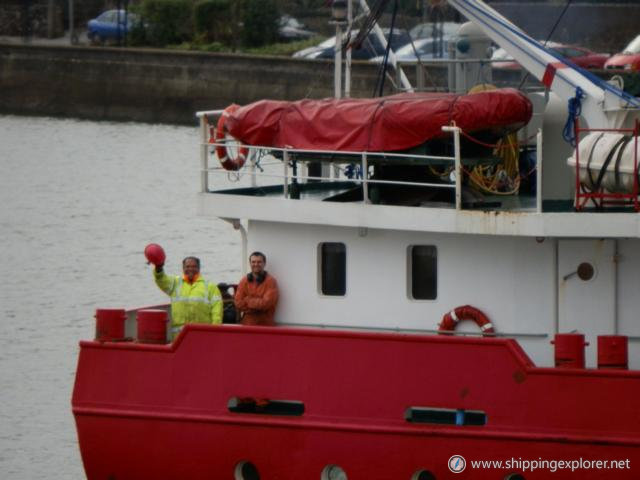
(333, 269)
(423, 263)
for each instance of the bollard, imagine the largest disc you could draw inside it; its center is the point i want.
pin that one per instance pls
(152, 326)
(110, 324)
(569, 350)
(613, 352)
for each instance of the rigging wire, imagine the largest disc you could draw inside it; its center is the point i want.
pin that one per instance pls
(435, 16)
(553, 29)
(368, 23)
(383, 68)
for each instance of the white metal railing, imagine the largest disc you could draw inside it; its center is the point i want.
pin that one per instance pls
(366, 160)
(421, 68)
(337, 326)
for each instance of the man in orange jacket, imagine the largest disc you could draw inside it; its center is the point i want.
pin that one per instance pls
(257, 293)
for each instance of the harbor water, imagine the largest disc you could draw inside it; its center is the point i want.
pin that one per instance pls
(79, 201)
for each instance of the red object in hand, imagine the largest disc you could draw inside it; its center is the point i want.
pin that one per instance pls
(155, 254)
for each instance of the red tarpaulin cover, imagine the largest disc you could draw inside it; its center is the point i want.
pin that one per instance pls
(396, 122)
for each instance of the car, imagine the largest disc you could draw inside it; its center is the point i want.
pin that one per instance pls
(629, 59)
(430, 29)
(311, 52)
(371, 47)
(582, 57)
(425, 48)
(290, 29)
(111, 25)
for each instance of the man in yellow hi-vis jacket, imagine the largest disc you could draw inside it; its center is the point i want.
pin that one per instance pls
(193, 299)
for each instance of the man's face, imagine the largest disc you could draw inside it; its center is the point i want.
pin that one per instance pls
(257, 264)
(190, 268)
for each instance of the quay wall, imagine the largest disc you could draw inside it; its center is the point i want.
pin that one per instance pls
(155, 85)
(165, 86)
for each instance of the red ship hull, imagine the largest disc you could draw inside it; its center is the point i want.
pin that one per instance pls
(163, 412)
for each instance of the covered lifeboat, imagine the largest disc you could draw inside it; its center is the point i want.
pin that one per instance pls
(385, 124)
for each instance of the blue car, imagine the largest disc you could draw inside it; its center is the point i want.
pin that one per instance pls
(111, 25)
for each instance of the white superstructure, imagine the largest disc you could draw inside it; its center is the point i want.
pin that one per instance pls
(533, 268)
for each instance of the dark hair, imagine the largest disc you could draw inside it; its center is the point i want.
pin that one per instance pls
(191, 258)
(258, 254)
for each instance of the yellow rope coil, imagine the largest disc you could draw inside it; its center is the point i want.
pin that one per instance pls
(501, 179)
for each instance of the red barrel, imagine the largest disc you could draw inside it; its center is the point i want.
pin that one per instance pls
(152, 326)
(569, 350)
(110, 324)
(613, 352)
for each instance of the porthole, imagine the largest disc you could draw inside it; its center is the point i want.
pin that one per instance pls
(423, 475)
(333, 269)
(514, 476)
(333, 472)
(423, 272)
(246, 471)
(586, 271)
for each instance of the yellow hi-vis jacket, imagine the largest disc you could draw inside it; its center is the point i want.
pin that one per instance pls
(197, 302)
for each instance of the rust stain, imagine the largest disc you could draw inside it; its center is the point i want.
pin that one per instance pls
(464, 392)
(519, 376)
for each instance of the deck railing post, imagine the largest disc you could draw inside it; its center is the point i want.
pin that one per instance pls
(458, 167)
(457, 163)
(285, 160)
(253, 154)
(539, 171)
(634, 172)
(365, 178)
(578, 195)
(204, 154)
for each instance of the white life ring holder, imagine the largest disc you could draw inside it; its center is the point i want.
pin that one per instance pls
(227, 161)
(466, 312)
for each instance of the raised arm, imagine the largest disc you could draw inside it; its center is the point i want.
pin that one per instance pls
(164, 282)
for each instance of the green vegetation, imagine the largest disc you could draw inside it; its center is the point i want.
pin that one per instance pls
(213, 21)
(260, 22)
(285, 49)
(227, 25)
(279, 49)
(169, 21)
(212, 25)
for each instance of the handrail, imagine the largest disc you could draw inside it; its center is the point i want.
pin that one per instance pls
(204, 113)
(366, 159)
(333, 152)
(329, 179)
(412, 330)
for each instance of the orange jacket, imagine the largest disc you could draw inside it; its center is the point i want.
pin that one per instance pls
(257, 301)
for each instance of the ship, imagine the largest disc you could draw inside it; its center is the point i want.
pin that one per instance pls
(461, 303)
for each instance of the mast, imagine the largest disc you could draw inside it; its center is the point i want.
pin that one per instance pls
(392, 56)
(347, 67)
(337, 63)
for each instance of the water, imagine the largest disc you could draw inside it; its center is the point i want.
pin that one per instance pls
(78, 202)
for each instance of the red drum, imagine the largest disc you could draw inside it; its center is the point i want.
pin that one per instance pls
(110, 324)
(152, 326)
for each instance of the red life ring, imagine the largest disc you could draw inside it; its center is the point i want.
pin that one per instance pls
(228, 162)
(466, 312)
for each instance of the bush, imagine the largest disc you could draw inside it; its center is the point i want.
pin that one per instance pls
(285, 49)
(213, 21)
(260, 22)
(169, 21)
(137, 36)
